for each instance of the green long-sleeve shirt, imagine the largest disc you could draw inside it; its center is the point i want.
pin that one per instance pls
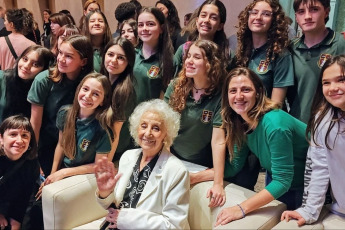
(280, 144)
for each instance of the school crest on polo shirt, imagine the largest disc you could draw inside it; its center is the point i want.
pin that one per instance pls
(263, 66)
(323, 59)
(84, 145)
(206, 116)
(153, 72)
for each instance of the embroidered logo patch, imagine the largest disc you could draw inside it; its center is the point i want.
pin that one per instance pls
(263, 66)
(84, 145)
(323, 59)
(153, 72)
(206, 116)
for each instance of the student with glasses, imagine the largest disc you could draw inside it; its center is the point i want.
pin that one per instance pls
(262, 47)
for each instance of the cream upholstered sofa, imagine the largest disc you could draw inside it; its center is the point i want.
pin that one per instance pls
(70, 203)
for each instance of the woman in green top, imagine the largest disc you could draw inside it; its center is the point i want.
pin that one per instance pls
(196, 94)
(118, 62)
(254, 122)
(15, 83)
(54, 88)
(96, 28)
(153, 68)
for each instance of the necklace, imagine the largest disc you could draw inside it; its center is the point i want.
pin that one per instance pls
(197, 90)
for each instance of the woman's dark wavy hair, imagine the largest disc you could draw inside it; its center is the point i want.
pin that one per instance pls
(164, 49)
(236, 128)
(17, 89)
(220, 37)
(20, 122)
(184, 84)
(123, 96)
(172, 19)
(22, 20)
(277, 35)
(320, 106)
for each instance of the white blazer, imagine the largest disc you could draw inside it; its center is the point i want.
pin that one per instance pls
(164, 202)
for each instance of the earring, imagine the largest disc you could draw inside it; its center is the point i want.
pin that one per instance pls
(29, 147)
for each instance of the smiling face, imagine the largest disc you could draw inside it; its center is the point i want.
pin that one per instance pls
(15, 142)
(128, 33)
(115, 61)
(333, 86)
(46, 16)
(208, 22)
(241, 95)
(311, 18)
(260, 18)
(28, 66)
(90, 96)
(196, 63)
(149, 28)
(151, 133)
(96, 24)
(69, 61)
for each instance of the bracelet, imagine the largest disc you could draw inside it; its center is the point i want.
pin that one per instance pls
(242, 211)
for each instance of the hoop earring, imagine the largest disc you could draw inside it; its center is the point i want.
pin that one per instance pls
(29, 148)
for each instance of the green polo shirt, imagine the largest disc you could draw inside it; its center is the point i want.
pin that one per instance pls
(2, 94)
(97, 60)
(198, 119)
(178, 57)
(307, 67)
(276, 73)
(86, 129)
(280, 144)
(44, 92)
(147, 73)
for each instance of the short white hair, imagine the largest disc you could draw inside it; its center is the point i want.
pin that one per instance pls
(171, 119)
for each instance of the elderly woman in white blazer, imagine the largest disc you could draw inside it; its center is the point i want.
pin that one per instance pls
(151, 189)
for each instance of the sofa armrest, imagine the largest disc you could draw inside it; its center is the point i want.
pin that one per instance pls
(71, 202)
(203, 217)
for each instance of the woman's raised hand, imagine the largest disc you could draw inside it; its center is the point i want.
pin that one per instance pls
(105, 176)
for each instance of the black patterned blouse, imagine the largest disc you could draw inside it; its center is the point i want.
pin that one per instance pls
(137, 182)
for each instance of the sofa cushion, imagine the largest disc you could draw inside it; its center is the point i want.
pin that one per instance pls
(203, 217)
(71, 202)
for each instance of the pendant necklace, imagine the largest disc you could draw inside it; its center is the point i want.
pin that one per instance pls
(197, 90)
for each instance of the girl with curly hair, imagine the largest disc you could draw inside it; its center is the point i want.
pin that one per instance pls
(207, 23)
(196, 94)
(262, 46)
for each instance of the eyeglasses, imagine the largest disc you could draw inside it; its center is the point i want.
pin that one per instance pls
(265, 13)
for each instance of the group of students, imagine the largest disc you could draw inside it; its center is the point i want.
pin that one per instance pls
(230, 102)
